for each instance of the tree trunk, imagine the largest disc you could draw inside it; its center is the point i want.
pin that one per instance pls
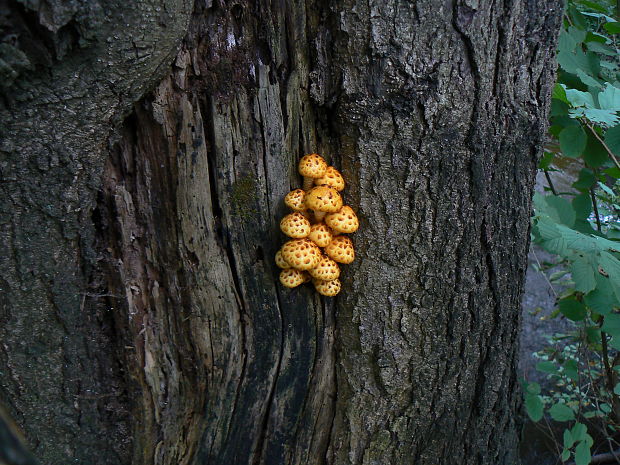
(142, 320)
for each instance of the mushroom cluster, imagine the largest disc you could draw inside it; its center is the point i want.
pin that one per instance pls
(316, 227)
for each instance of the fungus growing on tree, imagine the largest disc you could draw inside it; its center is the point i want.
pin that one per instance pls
(332, 178)
(326, 270)
(292, 278)
(295, 200)
(320, 234)
(301, 254)
(343, 221)
(295, 225)
(322, 200)
(327, 288)
(301, 258)
(280, 262)
(311, 167)
(340, 249)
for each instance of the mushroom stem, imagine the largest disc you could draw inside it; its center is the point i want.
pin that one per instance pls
(318, 216)
(308, 182)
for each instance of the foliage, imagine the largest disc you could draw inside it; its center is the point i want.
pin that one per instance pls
(582, 227)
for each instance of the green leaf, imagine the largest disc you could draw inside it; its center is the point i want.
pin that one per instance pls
(582, 204)
(579, 431)
(565, 454)
(595, 154)
(585, 181)
(568, 439)
(611, 325)
(600, 302)
(612, 139)
(587, 79)
(558, 108)
(532, 388)
(566, 42)
(547, 367)
(609, 98)
(601, 48)
(559, 93)
(593, 6)
(596, 115)
(571, 369)
(573, 141)
(612, 28)
(617, 389)
(582, 454)
(546, 160)
(583, 274)
(578, 98)
(611, 265)
(572, 309)
(534, 407)
(572, 60)
(560, 412)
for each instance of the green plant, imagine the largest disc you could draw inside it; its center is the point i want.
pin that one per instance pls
(582, 227)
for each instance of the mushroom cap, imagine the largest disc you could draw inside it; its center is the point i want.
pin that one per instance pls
(312, 166)
(295, 200)
(326, 270)
(331, 178)
(323, 199)
(327, 288)
(320, 234)
(295, 225)
(292, 277)
(280, 262)
(340, 249)
(302, 254)
(343, 221)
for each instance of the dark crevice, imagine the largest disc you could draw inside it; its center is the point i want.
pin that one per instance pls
(261, 444)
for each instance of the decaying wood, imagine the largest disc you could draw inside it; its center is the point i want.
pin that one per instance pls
(434, 113)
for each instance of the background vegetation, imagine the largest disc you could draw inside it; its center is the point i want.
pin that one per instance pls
(582, 227)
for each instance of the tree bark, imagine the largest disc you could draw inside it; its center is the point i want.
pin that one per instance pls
(142, 320)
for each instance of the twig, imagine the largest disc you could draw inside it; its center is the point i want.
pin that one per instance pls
(544, 274)
(611, 154)
(595, 207)
(550, 182)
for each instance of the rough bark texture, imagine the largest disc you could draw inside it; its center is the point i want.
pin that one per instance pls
(142, 321)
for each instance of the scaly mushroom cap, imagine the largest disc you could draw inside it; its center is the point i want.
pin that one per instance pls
(327, 288)
(302, 254)
(295, 225)
(326, 270)
(323, 199)
(312, 166)
(292, 277)
(295, 200)
(343, 221)
(331, 178)
(320, 234)
(340, 249)
(280, 262)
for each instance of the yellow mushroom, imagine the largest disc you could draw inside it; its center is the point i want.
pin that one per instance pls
(340, 249)
(320, 234)
(311, 167)
(343, 221)
(292, 278)
(327, 288)
(323, 200)
(326, 270)
(332, 178)
(302, 254)
(295, 225)
(280, 262)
